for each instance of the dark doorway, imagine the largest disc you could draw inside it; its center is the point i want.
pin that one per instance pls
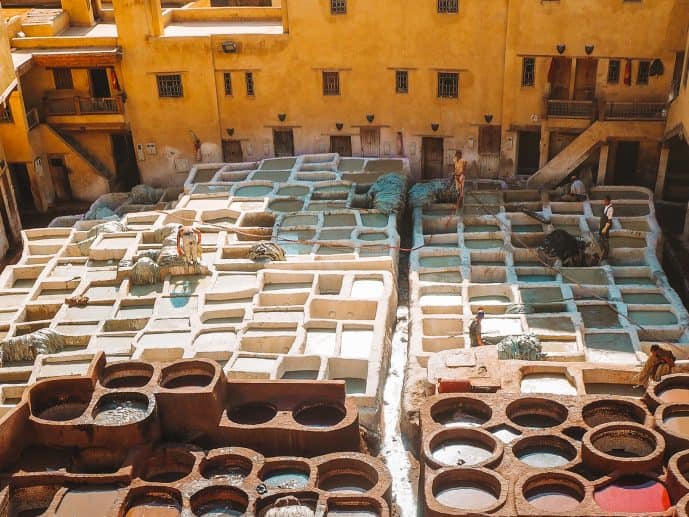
(60, 176)
(528, 152)
(7, 227)
(432, 156)
(677, 175)
(626, 163)
(100, 85)
(370, 141)
(585, 79)
(560, 76)
(341, 145)
(22, 187)
(126, 167)
(677, 73)
(283, 142)
(232, 151)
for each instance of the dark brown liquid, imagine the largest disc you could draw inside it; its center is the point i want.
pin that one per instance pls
(189, 381)
(674, 395)
(93, 503)
(154, 508)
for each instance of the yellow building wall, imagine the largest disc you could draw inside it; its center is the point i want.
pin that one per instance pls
(679, 111)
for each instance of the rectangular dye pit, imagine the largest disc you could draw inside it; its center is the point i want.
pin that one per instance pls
(609, 348)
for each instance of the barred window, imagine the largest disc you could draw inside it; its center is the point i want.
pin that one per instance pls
(528, 71)
(402, 81)
(448, 6)
(448, 84)
(338, 6)
(249, 78)
(5, 113)
(614, 71)
(170, 85)
(643, 74)
(331, 83)
(63, 79)
(227, 80)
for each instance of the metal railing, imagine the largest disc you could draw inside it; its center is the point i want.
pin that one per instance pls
(635, 111)
(84, 106)
(32, 118)
(570, 109)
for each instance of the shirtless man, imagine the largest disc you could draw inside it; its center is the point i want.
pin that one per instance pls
(189, 244)
(459, 174)
(660, 363)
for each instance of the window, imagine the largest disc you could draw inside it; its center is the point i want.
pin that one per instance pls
(448, 84)
(528, 71)
(448, 6)
(249, 78)
(170, 85)
(5, 113)
(614, 71)
(643, 73)
(402, 81)
(63, 79)
(227, 80)
(331, 83)
(338, 6)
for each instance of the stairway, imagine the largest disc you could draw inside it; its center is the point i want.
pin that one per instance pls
(98, 166)
(557, 169)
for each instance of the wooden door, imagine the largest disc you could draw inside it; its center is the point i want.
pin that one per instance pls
(561, 76)
(283, 142)
(432, 156)
(60, 176)
(341, 145)
(232, 151)
(370, 141)
(529, 152)
(585, 79)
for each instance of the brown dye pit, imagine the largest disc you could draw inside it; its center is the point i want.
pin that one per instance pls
(678, 423)
(319, 415)
(87, 501)
(252, 414)
(119, 410)
(154, 507)
(231, 470)
(188, 381)
(674, 395)
(63, 412)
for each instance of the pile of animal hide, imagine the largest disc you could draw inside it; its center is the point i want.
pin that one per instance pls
(28, 346)
(389, 194)
(525, 347)
(267, 251)
(562, 248)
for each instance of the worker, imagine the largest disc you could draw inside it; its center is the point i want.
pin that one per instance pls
(604, 226)
(660, 363)
(577, 190)
(475, 328)
(459, 176)
(189, 244)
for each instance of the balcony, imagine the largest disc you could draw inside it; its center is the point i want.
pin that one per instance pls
(635, 111)
(84, 106)
(570, 109)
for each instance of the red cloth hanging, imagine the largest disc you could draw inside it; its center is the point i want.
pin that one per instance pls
(628, 73)
(551, 71)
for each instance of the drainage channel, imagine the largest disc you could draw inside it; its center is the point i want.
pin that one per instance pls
(393, 450)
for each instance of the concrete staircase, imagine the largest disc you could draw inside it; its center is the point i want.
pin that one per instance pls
(583, 145)
(98, 166)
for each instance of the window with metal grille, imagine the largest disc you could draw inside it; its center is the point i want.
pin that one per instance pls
(63, 79)
(614, 71)
(338, 6)
(528, 71)
(643, 73)
(448, 84)
(331, 83)
(402, 81)
(249, 78)
(448, 6)
(5, 113)
(227, 80)
(170, 85)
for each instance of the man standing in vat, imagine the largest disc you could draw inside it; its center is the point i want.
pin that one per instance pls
(189, 244)
(475, 328)
(604, 227)
(577, 190)
(660, 363)
(459, 175)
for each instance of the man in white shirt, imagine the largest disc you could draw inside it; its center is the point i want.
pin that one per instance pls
(604, 226)
(577, 190)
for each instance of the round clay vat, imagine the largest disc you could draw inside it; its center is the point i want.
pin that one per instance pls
(147, 500)
(632, 494)
(219, 500)
(612, 410)
(545, 451)
(461, 412)
(167, 466)
(252, 414)
(60, 400)
(96, 460)
(228, 468)
(126, 375)
(122, 408)
(672, 389)
(682, 507)
(319, 414)
(286, 475)
(673, 422)
(536, 413)
(625, 448)
(346, 476)
(554, 491)
(360, 506)
(187, 375)
(678, 474)
(462, 447)
(464, 490)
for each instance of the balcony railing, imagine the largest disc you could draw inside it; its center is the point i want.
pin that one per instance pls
(84, 106)
(635, 111)
(571, 109)
(32, 118)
